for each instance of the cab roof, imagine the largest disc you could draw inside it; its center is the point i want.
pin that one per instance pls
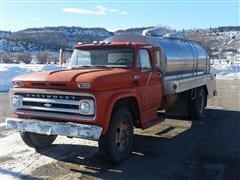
(129, 40)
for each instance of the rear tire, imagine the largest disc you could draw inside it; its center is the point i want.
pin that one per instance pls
(116, 145)
(198, 104)
(37, 141)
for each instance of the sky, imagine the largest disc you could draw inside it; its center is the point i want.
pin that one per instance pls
(113, 15)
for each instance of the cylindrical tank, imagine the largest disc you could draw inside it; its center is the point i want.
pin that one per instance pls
(182, 56)
(178, 56)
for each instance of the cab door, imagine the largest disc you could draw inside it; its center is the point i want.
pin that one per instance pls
(150, 81)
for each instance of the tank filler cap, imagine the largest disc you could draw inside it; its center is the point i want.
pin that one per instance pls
(163, 32)
(157, 32)
(102, 42)
(178, 35)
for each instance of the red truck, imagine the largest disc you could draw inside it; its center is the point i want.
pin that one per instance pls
(111, 87)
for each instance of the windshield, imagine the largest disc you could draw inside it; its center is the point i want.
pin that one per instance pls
(102, 57)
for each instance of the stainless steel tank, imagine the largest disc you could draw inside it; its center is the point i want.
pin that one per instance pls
(182, 56)
(178, 56)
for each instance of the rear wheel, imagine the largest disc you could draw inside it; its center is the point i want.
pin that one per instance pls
(197, 105)
(116, 145)
(37, 141)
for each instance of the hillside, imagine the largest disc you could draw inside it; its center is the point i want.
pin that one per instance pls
(49, 38)
(221, 42)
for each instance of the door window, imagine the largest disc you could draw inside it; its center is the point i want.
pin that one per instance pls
(158, 60)
(144, 61)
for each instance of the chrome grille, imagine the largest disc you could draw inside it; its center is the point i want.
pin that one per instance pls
(53, 105)
(50, 96)
(56, 103)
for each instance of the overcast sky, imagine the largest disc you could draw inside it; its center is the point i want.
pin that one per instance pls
(112, 15)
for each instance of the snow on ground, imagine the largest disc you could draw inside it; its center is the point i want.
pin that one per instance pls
(224, 70)
(18, 160)
(9, 71)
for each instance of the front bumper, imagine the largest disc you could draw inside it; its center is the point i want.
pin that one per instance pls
(83, 131)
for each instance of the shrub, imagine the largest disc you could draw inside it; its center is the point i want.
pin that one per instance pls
(42, 57)
(6, 59)
(24, 57)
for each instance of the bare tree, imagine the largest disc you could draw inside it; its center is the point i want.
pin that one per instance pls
(24, 57)
(42, 57)
(54, 59)
(6, 59)
(202, 38)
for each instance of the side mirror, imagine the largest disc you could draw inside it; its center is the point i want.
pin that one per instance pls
(64, 56)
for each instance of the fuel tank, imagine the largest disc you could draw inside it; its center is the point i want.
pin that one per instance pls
(179, 57)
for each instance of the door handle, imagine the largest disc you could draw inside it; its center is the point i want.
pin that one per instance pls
(136, 79)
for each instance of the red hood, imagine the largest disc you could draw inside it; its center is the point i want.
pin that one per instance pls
(104, 78)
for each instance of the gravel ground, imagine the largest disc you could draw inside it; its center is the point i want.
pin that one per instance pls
(173, 149)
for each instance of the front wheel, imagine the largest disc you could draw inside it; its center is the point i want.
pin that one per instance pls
(116, 145)
(37, 141)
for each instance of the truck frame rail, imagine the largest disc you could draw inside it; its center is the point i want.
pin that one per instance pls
(173, 85)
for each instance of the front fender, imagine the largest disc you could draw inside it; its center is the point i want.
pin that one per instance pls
(111, 103)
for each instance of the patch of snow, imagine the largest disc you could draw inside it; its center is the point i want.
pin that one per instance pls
(10, 71)
(3, 124)
(49, 67)
(18, 160)
(226, 70)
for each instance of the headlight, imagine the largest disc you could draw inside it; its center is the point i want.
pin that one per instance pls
(87, 107)
(18, 83)
(16, 101)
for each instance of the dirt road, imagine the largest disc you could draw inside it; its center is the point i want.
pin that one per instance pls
(174, 149)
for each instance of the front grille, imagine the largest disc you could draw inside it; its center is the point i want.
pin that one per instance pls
(50, 96)
(55, 103)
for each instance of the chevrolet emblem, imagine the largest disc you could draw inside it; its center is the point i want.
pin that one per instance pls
(47, 105)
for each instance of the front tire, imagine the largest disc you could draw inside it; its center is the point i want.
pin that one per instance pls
(37, 141)
(116, 145)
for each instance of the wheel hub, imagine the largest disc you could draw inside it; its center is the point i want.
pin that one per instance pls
(122, 136)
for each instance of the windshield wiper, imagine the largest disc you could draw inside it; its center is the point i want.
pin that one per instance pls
(101, 66)
(79, 67)
(91, 66)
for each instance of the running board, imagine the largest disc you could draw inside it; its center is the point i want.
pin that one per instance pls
(153, 122)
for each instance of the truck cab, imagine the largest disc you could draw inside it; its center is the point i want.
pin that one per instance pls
(109, 88)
